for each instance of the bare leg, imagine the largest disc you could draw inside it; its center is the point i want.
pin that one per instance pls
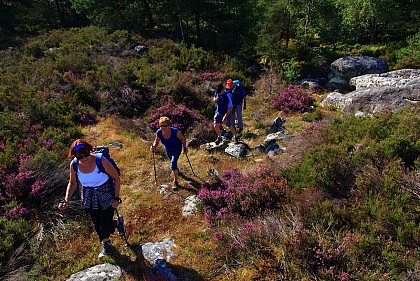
(175, 172)
(217, 128)
(232, 129)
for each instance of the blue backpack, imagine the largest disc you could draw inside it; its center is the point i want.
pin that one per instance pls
(238, 92)
(101, 151)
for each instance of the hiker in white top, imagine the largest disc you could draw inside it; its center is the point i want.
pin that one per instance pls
(101, 190)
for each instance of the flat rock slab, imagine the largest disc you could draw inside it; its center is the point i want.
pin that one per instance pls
(100, 272)
(153, 251)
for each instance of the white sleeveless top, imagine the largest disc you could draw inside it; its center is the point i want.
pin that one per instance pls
(92, 179)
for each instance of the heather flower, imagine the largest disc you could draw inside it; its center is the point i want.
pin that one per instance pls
(37, 188)
(48, 142)
(240, 195)
(16, 213)
(181, 117)
(211, 76)
(293, 99)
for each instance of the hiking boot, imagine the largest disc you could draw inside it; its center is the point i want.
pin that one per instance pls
(236, 140)
(175, 185)
(106, 249)
(121, 226)
(218, 140)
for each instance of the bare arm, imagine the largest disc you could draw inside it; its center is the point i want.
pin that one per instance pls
(71, 186)
(183, 140)
(155, 143)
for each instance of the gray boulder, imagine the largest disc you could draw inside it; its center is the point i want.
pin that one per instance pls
(153, 251)
(279, 136)
(376, 93)
(193, 143)
(374, 100)
(343, 69)
(237, 150)
(397, 78)
(100, 272)
(277, 125)
(190, 206)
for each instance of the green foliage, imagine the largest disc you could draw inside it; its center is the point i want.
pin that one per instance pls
(190, 58)
(290, 72)
(409, 56)
(335, 165)
(373, 50)
(316, 115)
(355, 189)
(12, 234)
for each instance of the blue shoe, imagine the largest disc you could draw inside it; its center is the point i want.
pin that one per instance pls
(121, 226)
(106, 249)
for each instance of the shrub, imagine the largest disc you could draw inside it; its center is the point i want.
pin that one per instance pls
(126, 101)
(23, 187)
(409, 57)
(190, 58)
(316, 115)
(203, 131)
(181, 117)
(184, 88)
(12, 234)
(242, 194)
(291, 71)
(354, 256)
(293, 99)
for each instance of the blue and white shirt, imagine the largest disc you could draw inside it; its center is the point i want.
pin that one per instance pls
(98, 189)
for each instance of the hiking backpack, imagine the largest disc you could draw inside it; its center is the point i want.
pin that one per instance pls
(237, 92)
(101, 151)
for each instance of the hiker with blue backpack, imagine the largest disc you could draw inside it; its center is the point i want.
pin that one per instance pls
(174, 142)
(238, 100)
(223, 115)
(100, 181)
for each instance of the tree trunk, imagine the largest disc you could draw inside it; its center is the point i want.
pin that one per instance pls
(151, 21)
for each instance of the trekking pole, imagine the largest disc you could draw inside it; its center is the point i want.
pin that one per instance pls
(190, 164)
(154, 165)
(119, 221)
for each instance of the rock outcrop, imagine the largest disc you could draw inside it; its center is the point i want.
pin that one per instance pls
(343, 69)
(378, 92)
(100, 272)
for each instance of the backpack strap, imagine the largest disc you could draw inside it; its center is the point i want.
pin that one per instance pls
(101, 168)
(74, 163)
(75, 169)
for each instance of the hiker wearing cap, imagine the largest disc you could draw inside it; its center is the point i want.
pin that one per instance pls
(173, 141)
(101, 191)
(238, 98)
(223, 100)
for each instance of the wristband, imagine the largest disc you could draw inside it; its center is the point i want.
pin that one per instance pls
(118, 199)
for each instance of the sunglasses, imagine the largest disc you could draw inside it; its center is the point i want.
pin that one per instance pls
(164, 125)
(79, 157)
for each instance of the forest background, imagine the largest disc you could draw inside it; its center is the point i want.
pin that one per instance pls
(343, 202)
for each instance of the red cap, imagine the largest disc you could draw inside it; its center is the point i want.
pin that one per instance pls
(229, 84)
